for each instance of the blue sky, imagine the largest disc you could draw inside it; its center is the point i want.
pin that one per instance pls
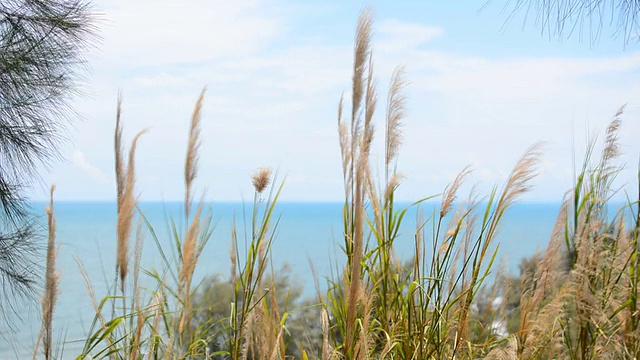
(482, 89)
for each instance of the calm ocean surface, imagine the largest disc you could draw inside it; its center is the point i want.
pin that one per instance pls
(86, 232)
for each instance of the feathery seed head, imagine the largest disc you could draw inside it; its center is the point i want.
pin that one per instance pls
(191, 162)
(52, 279)
(392, 186)
(611, 148)
(523, 172)
(261, 179)
(451, 190)
(362, 51)
(127, 203)
(395, 113)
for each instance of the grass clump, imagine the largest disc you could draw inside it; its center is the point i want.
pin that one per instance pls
(580, 301)
(380, 306)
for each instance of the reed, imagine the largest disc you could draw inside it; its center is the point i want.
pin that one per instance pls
(380, 305)
(52, 279)
(590, 284)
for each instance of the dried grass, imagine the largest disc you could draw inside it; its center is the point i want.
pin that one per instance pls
(125, 181)
(52, 279)
(396, 101)
(193, 147)
(261, 179)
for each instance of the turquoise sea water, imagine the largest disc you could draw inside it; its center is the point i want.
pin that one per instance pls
(86, 234)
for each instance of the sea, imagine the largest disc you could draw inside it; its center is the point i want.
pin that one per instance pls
(306, 236)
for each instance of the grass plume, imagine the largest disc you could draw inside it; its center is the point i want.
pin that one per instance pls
(52, 279)
(396, 101)
(126, 206)
(261, 179)
(193, 145)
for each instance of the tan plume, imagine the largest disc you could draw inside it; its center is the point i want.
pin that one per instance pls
(191, 162)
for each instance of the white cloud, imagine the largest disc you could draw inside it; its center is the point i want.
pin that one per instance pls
(396, 35)
(80, 160)
(276, 106)
(523, 80)
(152, 33)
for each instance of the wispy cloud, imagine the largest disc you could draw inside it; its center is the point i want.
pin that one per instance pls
(273, 93)
(80, 160)
(396, 35)
(154, 33)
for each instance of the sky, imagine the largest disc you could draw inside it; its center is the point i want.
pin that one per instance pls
(483, 87)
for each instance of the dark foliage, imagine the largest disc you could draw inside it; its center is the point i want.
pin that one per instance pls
(589, 18)
(41, 46)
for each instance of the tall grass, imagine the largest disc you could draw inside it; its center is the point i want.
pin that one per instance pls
(134, 322)
(581, 302)
(380, 310)
(578, 300)
(157, 321)
(50, 295)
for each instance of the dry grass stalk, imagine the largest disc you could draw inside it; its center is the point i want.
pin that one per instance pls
(327, 350)
(392, 185)
(156, 305)
(536, 287)
(261, 332)
(355, 282)
(137, 335)
(248, 339)
(362, 54)
(189, 248)
(508, 353)
(361, 84)
(189, 261)
(140, 314)
(545, 335)
(451, 191)
(276, 353)
(345, 149)
(51, 284)
(137, 255)
(126, 206)
(92, 294)
(611, 148)
(274, 346)
(353, 292)
(191, 162)
(396, 111)
(279, 346)
(375, 201)
(121, 174)
(364, 344)
(125, 180)
(517, 184)
(369, 110)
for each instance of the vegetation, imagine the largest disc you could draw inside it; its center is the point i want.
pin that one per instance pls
(41, 45)
(577, 300)
(569, 17)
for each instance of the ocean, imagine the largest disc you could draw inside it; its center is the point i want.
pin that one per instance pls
(306, 232)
